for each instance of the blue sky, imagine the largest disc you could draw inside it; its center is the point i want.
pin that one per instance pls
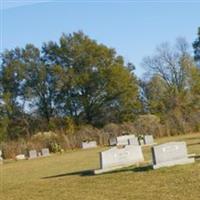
(133, 28)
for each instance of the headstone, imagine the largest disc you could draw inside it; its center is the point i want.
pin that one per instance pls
(116, 158)
(20, 157)
(88, 145)
(148, 140)
(133, 141)
(123, 140)
(169, 154)
(112, 141)
(32, 154)
(45, 152)
(1, 159)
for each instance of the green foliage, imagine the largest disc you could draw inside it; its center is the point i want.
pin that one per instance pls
(76, 79)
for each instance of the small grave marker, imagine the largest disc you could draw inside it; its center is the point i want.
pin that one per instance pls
(89, 144)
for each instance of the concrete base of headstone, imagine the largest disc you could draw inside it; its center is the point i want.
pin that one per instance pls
(172, 163)
(101, 171)
(20, 157)
(146, 145)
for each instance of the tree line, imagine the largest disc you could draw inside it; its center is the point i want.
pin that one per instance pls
(79, 81)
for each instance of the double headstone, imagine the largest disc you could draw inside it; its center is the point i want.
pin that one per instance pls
(125, 139)
(45, 152)
(169, 154)
(148, 140)
(119, 157)
(89, 144)
(32, 154)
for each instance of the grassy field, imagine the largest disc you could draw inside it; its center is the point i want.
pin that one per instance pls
(68, 177)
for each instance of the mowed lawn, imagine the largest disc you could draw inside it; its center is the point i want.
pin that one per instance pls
(67, 176)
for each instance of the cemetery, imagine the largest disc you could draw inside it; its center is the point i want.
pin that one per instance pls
(127, 169)
(100, 100)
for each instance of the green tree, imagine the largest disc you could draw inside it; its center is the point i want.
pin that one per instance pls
(90, 87)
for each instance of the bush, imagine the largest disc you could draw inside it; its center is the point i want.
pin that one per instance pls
(148, 124)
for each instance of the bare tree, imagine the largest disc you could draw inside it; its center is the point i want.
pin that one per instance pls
(170, 63)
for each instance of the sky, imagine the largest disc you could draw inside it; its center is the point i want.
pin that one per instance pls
(133, 28)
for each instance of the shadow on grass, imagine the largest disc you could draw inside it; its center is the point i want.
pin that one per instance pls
(91, 172)
(80, 173)
(192, 144)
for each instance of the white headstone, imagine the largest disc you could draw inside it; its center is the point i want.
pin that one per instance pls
(123, 140)
(169, 154)
(116, 158)
(133, 141)
(45, 152)
(20, 157)
(88, 145)
(32, 154)
(148, 139)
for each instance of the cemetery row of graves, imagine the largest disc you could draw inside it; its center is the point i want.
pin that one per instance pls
(127, 150)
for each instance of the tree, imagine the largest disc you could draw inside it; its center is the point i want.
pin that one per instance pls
(89, 80)
(196, 46)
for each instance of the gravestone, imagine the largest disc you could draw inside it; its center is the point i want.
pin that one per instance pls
(20, 157)
(148, 140)
(1, 159)
(123, 140)
(32, 154)
(119, 157)
(169, 154)
(112, 141)
(45, 152)
(89, 144)
(133, 141)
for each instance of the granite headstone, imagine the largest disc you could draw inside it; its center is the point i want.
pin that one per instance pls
(148, 140)
(123, 140)
(45, 152)
(32, 154)
(169, 154)
(119, 157)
